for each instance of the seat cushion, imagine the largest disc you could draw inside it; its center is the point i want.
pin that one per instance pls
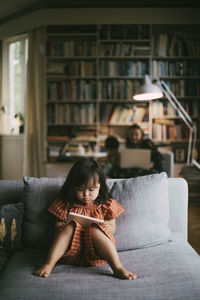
(167, 271)
(4, 256)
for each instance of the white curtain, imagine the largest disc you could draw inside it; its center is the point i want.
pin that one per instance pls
(35, 121)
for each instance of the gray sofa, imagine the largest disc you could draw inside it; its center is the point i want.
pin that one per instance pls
(151, 239)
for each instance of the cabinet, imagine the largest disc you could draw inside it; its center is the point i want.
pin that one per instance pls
(92, 72)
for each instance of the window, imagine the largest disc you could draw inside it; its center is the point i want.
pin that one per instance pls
(15, 55)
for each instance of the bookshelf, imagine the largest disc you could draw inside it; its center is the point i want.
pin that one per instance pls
(176, 60)
(92, 72)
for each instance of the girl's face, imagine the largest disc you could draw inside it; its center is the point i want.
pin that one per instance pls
(88, 193)
(135, 135)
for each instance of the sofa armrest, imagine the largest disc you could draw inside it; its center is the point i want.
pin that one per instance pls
(178, 206)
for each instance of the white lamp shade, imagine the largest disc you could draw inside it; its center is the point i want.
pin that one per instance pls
(148, 91)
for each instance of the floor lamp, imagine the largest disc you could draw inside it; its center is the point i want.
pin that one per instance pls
(150, 91)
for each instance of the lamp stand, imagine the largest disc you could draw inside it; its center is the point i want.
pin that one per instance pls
(187, 120)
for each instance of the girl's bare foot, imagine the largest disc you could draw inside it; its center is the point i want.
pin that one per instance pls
(44, 271)
(124, 274)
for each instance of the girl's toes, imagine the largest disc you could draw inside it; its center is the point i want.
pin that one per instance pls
(132, 276)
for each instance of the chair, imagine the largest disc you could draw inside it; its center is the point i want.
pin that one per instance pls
(168, 162)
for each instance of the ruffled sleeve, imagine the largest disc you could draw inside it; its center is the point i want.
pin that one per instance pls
(112, 209)
(59, 209)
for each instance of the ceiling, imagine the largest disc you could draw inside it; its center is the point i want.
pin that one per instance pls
(10, 9)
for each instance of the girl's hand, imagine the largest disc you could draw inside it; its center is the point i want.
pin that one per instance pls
(59, 226)
(110, 225)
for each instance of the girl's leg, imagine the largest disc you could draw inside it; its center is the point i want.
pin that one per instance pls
(107, 251)
(60, 245)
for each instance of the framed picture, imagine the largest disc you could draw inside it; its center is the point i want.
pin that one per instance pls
(179, 155)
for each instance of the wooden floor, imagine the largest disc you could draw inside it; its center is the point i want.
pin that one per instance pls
(194, 227)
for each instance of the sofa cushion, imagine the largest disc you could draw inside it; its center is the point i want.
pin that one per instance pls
(145, 220)
(169, 271)
(4, 256)
(11, 217)
(144, 223)
(39, 193)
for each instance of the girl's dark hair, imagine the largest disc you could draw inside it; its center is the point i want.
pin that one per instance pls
(81, 172)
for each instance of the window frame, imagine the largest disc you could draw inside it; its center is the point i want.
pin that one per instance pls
(8, 101)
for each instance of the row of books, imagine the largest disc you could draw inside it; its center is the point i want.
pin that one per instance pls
(172, 131)
(123, 49)
(118, 89)
(89, 49)
(115, 89)
(164, 108)
(80, 68)
(75, 90)
(83, 68)
(184, 88)
(176, 68)
(66, 113)
(135, 31)
(72, 90)
(124, 68)
(120, 114)
(177, 44)
(71, 48)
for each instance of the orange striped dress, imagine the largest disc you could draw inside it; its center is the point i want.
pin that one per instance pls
(82, 251)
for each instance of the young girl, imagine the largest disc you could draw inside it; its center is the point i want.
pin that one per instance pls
(85, 192)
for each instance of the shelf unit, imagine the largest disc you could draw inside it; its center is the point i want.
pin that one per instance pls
(93, 71)
(175, 60)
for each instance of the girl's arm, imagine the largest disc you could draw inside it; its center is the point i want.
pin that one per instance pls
(110, 225)
(59, 226)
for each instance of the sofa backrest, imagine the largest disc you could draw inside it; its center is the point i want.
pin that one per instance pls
(11, 191)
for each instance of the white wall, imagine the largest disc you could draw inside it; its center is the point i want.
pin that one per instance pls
(11, 156)
(100, 16)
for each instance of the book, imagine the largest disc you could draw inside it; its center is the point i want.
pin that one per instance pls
(83, 220)
(115, 115)
(57, 138)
